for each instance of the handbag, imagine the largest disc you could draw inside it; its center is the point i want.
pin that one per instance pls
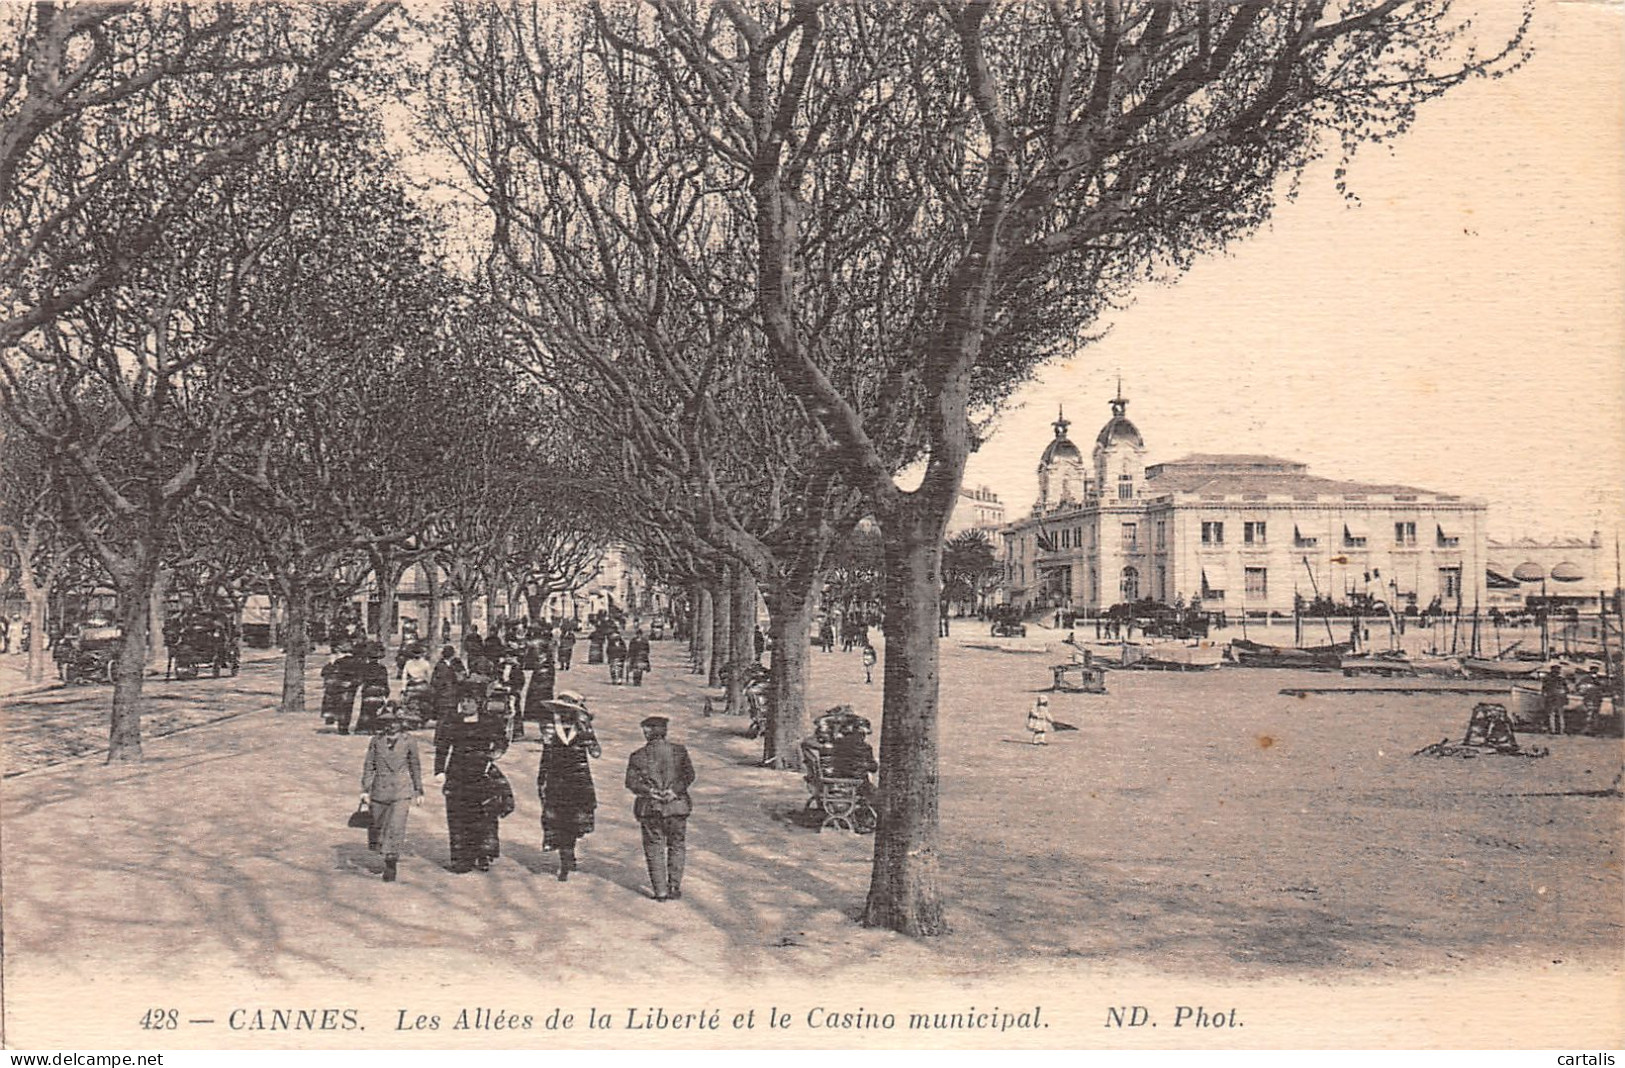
(361, 817)
(501, 797)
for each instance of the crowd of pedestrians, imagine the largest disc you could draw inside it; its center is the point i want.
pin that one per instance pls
(479, 702)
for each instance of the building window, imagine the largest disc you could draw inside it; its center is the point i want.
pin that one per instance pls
(1131, 584)
(1300, 540)
(1253, 533)
(1405, 534)
(1212, 532)
(1258, 587)
(1448, 540)
(1162, 534)
(1125, 487)
(1131, 537)
(1352, 540)
(1450, 583)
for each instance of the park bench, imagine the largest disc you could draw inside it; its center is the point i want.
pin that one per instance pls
(1079, 678)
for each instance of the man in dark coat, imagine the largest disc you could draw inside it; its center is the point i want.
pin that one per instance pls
(637, 656)
(566, 645)
(339, 682)
(659, 776)
(473, 644)
(1554, 694)
(444, 684)
(374, 679)
(537, 694)
(615, 653)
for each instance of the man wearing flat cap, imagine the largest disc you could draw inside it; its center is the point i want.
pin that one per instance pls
(659, 776)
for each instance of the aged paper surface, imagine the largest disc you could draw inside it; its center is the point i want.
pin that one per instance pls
(1462, 330)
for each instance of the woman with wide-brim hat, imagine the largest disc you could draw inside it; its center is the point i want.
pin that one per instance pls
(467, 747)
(564, 779)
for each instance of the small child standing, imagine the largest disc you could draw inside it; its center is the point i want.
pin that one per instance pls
(868, 663)
(1039, 721)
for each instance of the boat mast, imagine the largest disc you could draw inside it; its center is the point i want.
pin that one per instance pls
(1331, 639)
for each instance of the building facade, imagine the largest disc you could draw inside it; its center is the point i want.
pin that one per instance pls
(1238, 533)
(977, 509)
(1525, 572)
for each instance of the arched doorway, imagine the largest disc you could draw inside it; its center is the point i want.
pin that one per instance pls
(1131, 584)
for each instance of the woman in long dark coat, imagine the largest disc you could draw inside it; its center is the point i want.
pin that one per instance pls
(537, 695)
(564, 779)
(466, 749)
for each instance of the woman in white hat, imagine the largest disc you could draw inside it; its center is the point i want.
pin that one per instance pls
(564, 779)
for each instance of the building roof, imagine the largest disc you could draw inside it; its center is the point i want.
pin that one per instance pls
(1233, 461)
(1254, 474)
(1118, 428)
(1061, 448)
(1286, 485)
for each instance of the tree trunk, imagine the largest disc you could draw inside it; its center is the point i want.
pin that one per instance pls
(388, 578)
(790, 621)
(699, 636)
(742, 640)
(431, 579)
(38, 603)
(490, 605)
(129, 673)
(159, 659)
(720, 632)
(297, 630)
(903, 890)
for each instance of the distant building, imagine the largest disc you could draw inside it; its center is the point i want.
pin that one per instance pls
(1566, 571)
(977, 509)
(1235, 532)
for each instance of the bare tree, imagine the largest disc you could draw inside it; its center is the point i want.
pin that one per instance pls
(933, 199)
(123, 129)
(196, 90)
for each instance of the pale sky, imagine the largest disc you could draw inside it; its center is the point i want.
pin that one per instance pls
(1461, 329)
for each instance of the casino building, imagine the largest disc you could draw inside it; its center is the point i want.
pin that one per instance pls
(1239, 532)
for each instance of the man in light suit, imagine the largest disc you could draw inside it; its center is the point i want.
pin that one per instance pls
(659, 776)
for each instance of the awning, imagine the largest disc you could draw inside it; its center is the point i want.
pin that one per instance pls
(1529, 571)
(1568, 571)
(1449, 530)
(1497, 581)
(1355, 528)
(1215, 577)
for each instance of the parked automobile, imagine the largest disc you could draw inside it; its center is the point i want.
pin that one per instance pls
(1007, 622)
(90, 654)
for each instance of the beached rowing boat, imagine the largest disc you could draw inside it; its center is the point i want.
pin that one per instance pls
(1255, 654)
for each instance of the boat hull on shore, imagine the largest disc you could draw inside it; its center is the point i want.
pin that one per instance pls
(1244, 653)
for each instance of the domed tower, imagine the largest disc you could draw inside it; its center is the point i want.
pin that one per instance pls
(1119, 455)
(1060, 470)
